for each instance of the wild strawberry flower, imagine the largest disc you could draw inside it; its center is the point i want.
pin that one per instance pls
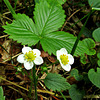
(65, 59)
(30, 57)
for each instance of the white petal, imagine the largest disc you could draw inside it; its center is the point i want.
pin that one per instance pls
(20, 58)
(38, 60)
(61, 52)
(28, 65)
(38, 53)
(66, 67)
(58, 54)
(70, 58)
(26, 49)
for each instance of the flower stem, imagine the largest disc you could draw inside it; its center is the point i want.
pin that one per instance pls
(63, 95)
(35, 82)
(30, 89)
(78, 38)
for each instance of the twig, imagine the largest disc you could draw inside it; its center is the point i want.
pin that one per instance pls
(38, 90)
(7, 18)
(17, 91)
(3, 36)
(16, 10)
(69, 19)
(12, 58)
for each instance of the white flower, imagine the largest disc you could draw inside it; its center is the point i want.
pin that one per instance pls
(29, 57)
(65, 59)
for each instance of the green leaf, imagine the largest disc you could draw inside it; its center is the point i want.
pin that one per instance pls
(75, 73)
(94, 77)
(98, 62)
(83, 59)
(23, 30)
(98, 55)
(48, 18)
(96, 34)
(57, 40)
(1, 94)
(90, 44)
(95, 4)
(75, 93)
(56, 82)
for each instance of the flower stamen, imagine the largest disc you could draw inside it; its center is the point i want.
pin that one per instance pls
(30, 56)
(64, 59)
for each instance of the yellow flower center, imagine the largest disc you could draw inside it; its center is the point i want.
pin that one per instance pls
(30, 56)
(64, 59)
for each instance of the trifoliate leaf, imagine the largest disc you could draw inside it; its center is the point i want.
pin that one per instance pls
(90, 44)
(98, 55)
(75, 93)
(56, 82)
(75, 74)
(95, 4)
(1, 94)
(98, 62)
(49, 17)
(94, 77)
(96, 34)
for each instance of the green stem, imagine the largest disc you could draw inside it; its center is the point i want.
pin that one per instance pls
(78, 38)
(35, 82)
(30, 89)
(28, 75)
(63, 95)
(15, 4)
(9, 7)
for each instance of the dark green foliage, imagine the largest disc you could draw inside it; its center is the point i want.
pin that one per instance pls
(1, 94)
(56, 82)
(76, 75)
(95, 4)
(96, 34)
(75, 93)
(94, 77)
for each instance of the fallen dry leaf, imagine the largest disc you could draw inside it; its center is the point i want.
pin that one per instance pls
(44, 54)
(2, 72)
(7, 46)
(72, 80)
(51, 59)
